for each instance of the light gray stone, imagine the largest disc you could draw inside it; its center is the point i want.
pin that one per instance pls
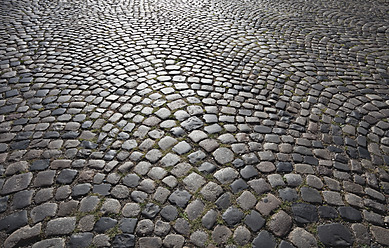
(302, 239)
(61, 226)
(226, 175)
(24, 233)
(223, 155)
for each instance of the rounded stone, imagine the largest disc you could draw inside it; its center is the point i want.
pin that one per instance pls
(194, 209)
(169, 213)
(232, 216)
(180, 198)
(120, 192)
(102, 240)
(264, 239)
(335, 235)
(131, 180)
(150, 242)
(54, 242)
(147, 185)
(254, 221)
(211, 191)
(110, 206)
(150, 210)
(302, 238)
(173, 240)
(138, 196)
(267, 204)
(209, 219)
(246, 200)
(193, 182)
(131, 210)
(161, 228)
(104, 223)
(61, 226)
(280, 223)
(199, 238)
(182, 226)
(145, 227)
(226, 175)
(86, 223)
(221, 234)
(242, 235)
(223, 155)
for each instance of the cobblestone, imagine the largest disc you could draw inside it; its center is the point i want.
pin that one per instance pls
(335, 235)
(193, 123)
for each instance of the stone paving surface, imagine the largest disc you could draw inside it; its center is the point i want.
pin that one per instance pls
(197, 123)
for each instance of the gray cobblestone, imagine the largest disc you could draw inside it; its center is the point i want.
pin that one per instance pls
(120, 108)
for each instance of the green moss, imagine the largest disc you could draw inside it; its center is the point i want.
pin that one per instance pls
(113, 231)
(286, 206)
(196, 225)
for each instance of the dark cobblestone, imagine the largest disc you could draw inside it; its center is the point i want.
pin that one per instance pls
(261, 120)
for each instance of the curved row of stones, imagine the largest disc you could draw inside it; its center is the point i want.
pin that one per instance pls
(197, 123)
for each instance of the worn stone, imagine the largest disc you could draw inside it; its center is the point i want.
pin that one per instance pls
(161, 228)
(310, 195)
(193, 182)
(333, 198)
(301, 238)
(150, 242)
(380, 234)
(180, 198)
(199, 238)
(280, 223)
(194, 209)
(122, 241)
(54, 242)
(350, 213)
(211, 191)
(13, 221)
(361, 234)
(221, 234)
(246, 200)
(209, 219)
(267, 204)
(42, 211)
(16, 183)
(104, 223)
(223, 155)
(173, 240)
(226, 175)
(127, 225)
(260, 186)
(81, 240)
(185, 111)
(23, 234)
(264, 239)
(335, 235)
(61, 226)
(145, 227)
(182, 226)
(305, 213)
(169, 213)
(232, 216)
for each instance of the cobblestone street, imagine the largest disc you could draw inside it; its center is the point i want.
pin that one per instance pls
(194, 123)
